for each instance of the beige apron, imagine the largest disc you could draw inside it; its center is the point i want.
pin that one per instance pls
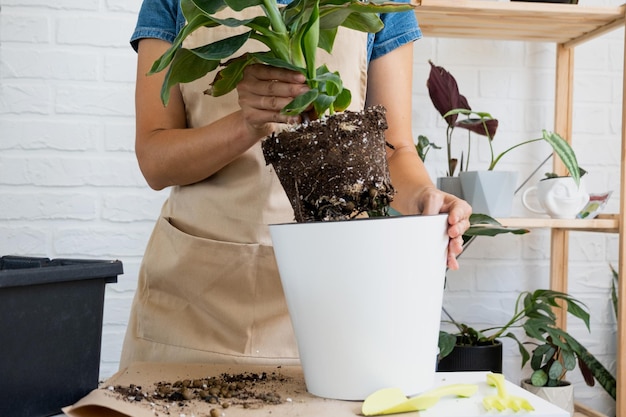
(209, 289)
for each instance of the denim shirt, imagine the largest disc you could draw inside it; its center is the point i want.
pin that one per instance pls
(163, 19)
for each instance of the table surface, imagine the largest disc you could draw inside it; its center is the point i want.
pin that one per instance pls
(291, 388)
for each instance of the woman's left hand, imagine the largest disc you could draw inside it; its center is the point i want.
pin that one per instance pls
(434, 201)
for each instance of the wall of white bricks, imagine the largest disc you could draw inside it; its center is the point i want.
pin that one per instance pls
(70, 185)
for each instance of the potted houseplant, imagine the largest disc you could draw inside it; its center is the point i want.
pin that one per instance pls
(446, 98)
(292, 35)
(559, 197)
(300, 156)
(468, 349)
(555, 352)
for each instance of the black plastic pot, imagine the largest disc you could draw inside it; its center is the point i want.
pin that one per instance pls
(51, 331)
(483, 357)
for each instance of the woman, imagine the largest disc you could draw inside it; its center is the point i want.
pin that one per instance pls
(209, 289)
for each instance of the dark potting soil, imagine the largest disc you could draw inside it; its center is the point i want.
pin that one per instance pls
(334, 168)
(246, 390)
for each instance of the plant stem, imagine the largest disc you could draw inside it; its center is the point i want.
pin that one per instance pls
(276, 20)
(495, 161)
(519, 314)
(449, 131)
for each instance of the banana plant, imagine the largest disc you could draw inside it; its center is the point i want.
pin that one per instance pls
(292, 35)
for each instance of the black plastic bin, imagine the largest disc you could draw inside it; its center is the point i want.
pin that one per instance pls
(50, 331)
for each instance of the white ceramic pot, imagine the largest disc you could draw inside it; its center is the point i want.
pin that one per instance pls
(365, 299)
(560, 198)
(561, 396)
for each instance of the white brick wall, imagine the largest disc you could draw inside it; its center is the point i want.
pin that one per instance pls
(71, 186)
(514, 81)
(68, 176)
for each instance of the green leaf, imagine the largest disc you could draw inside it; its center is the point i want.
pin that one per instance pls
(323, 102)
(270, 59)
(565, 152)
(578, 310)
(208, 7)
(369, 23)
(239, 5)
(447, 342)
(343, 100)
(327, 39)
(330, 82)
(569, 359)
(221, 49)
(614, 285)
(539, 378)
(185, 67)
(165, 60)
(522, 350)
(227, 79)
(484, 225)
(555, 371)
(300, 103)
(541, 355)
(234, 23)
(310, 39)
(600, 373)
(332, 17)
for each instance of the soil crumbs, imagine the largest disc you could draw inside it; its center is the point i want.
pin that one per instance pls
(246, 390)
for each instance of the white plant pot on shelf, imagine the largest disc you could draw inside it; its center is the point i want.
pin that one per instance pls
(365, 299)
(489, 192)
(561, 396)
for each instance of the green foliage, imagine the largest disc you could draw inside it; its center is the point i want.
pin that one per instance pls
(292, 35)
(424, 145)
(484, 225)
(445, 96)
(559, 145)
(555, 351)
(533, 312)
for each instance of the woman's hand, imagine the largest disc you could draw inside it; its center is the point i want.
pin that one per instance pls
(169, 152)
(433, 201)
(263, 92)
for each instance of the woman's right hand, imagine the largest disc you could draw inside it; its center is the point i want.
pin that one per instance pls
(171, 153)
(263, 92)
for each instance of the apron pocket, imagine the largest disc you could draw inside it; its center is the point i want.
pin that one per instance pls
(198, 293)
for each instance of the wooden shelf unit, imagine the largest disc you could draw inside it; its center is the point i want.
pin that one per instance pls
(566, 25)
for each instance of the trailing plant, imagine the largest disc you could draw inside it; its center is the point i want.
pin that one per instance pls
(445, 96)
(291, 34)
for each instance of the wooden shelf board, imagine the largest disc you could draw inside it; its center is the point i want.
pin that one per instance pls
(604, 223)
(526, 21)
(584, 411)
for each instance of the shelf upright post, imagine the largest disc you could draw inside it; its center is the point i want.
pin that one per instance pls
(563, 110)
(620, 406)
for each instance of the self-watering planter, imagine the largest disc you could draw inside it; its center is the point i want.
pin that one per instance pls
(51, 327)
(365, 300)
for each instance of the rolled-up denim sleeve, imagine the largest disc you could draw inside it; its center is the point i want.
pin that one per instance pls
(400, 28)
(159, 19)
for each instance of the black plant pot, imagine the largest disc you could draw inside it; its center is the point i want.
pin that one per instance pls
(484, 357)
(51, 328)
